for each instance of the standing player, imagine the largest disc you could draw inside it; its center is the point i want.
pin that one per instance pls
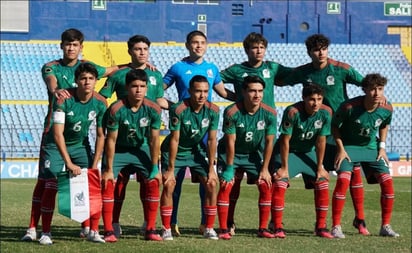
(139, 51)
(190, 121)
(180, 74)
(332, 76)
(255, 46)
(58, 76)
(68, 143)
(132, 141)
(355, 126)
(304, 127)
(246, 124)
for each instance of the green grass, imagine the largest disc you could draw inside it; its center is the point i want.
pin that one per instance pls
(299, 219)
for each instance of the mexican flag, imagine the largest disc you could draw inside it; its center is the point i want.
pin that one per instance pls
(79, 196)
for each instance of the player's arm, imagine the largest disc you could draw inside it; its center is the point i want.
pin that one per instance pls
(163, 103)
(154, 153)
(222, 91)
(283, 171)
(58, 130)
(99, 146)
(320, 147)
(110, 145)
(267, 153)
(340, 149)
(173, 147)
(211, 148)
(383, 133)
(110, 70)
(53, 87)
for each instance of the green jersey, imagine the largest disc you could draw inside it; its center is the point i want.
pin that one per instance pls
(79, 117)
(250, 130)
(193, 126)
(117, 83)
(65, 80)
(133, 127)
(333, 79)
(268, 71)
(357, 126)
(303, 128)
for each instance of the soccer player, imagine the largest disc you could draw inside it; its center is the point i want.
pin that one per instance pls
(332, 76)
(190, 121)
(132, 141)
(180, 74)
(355, 126)
(139, 51)
(301, 149)
(58, 76)
(66, 142)
(246, 124)
(255, 46)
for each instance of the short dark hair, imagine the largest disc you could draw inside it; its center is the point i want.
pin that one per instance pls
(85, 67)
(136, 39)
(373, 80)
(71, 35)
(310, 89)
(197, 79)
(136, 74)
(252, 79)
(317, 41)
(193, 34)
(253, 38)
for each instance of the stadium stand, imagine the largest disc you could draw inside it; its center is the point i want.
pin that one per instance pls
(24, 99)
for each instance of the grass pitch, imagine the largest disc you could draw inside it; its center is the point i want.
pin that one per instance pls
(299, 218)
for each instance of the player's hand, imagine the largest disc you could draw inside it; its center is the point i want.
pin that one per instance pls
(322, 174)
(382, 155)
(383, 101)
(61, 93)
(150, 66)
(264, 175)
(224, 183)
(281, 173)
(340, 156)
(212, 177)
(74, 169)
(106, 177)
(169, 176)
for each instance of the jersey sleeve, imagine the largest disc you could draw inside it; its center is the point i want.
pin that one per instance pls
(100, 70)
(271, 124)
(108, 88)
(340, 115)
(47, 70)
(286, 126)
(100, 115)
(354, 77)
(214, 120)
(174, 119)
(112, 120)
(159, 85)
(229, 123)
(170, 77)
(155, 121)
(217, 78)
(227, 75)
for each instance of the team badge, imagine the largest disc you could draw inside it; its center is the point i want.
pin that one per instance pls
(152, 80)
(330, 80)
(205, 123)
(92, 115)
(318, 124)
(175, 120)
(144, 122)
(266, 73)
(209, 73)
(261, 125)
(287, 124)
(378, 122)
